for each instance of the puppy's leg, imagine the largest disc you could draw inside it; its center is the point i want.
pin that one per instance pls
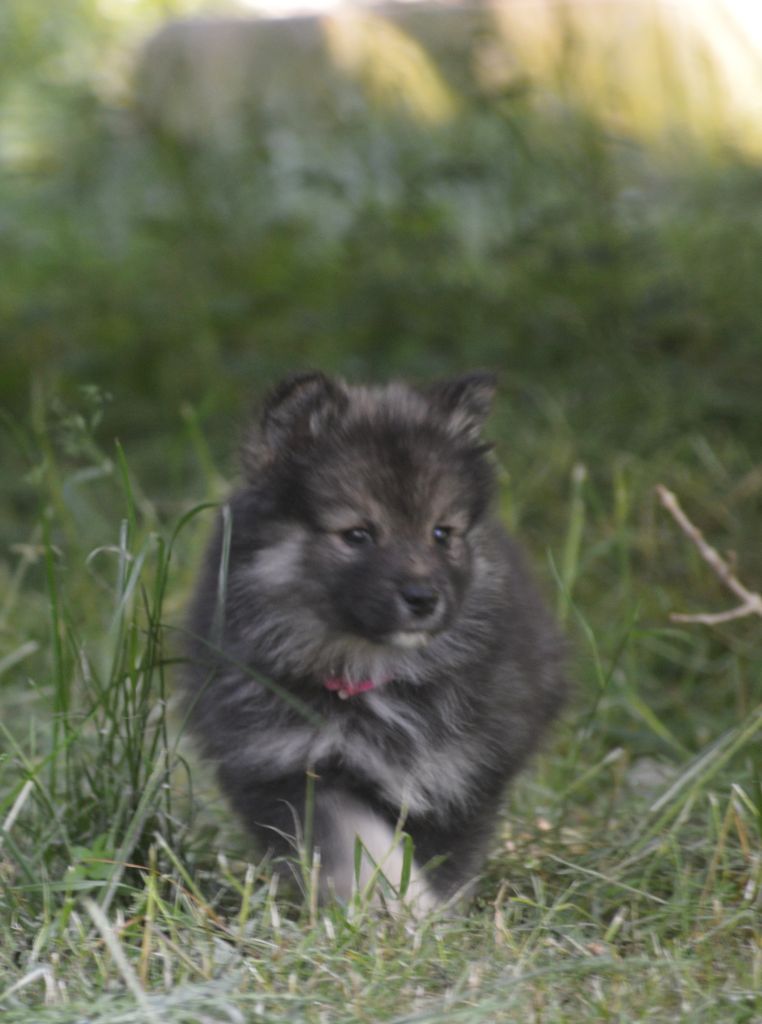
(456, 849)
(276, 812)
(342, 819)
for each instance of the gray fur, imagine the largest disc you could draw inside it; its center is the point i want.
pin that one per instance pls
(364, 547)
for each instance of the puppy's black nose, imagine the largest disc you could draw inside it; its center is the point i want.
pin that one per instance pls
(421, 598)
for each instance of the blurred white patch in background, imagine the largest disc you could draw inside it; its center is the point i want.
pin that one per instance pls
(664, 71)
(289, 8)
(745, 15)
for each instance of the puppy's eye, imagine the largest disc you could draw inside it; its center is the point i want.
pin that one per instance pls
(358, 536)
(441, 535)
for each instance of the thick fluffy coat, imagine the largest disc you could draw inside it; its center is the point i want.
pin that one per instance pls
(363, 618)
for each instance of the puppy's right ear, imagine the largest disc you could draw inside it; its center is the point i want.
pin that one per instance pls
(294, 412)
(465, 402)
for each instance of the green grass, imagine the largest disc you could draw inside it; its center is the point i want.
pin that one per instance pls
(624, 883)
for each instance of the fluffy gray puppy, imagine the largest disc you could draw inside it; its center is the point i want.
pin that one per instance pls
(364, 621)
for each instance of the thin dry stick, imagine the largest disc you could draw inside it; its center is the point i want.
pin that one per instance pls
(14, 812)
(751, 603)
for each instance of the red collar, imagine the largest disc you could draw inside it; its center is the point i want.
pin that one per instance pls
(345, 688)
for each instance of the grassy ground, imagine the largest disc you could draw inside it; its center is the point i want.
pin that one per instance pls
(625, 881)
(616, 294)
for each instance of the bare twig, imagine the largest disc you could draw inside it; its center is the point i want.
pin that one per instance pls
(14, 812)
(751, 602)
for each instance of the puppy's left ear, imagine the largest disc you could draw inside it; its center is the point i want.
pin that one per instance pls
(465, 402)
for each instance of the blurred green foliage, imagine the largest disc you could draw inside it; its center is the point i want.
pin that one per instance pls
(615, 290)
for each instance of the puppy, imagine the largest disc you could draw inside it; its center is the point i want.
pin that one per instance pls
(368, 652)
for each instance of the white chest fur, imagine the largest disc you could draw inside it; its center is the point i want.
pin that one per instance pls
(432, 777)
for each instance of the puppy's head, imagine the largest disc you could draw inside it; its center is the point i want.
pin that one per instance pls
(384, 488)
